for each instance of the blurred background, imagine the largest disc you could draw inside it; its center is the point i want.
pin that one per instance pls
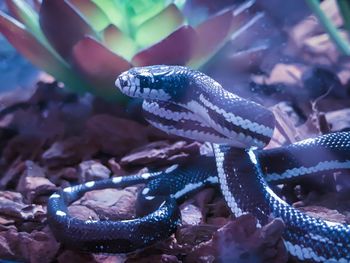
(63, 122)
(15, 70)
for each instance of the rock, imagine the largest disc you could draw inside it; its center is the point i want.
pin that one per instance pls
(69, 256)
(192, 235)
(24, 147)
(320, 49)
(285, 131)
(82, 212)
(13, 196)
(33, 182)
(5, 250)
(219, 208)
(286, 74)
(12, 174)
(310, 26)
(47, 125)
(115, 167)
(202, 199)
(92, 170)
(115, 136)
(69, 173)
(108, 258)
(6, 223)
(12, 206)
(33, 169)
(35, 247)
(113, 204)
(34, 186)
(240, 241)
(191, 215)
(344, 73)
(68, 152)
(154, 258)
(339, 120)
(51, 92)
(310, 39)
(160, 152)
(319, 81)
(218, 221)
(324, 213)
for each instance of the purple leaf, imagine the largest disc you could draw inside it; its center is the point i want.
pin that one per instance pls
(63, 25)
(18, 9)
(99, 65)
(32, 49)
(175, 49)
(93, 14)
(213, 33)
(159, 26)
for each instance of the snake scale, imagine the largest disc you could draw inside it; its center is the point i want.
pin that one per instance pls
(188, 103)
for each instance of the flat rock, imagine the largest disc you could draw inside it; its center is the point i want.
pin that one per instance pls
(160, 152)
(92, 170)
(324, 213)
(12, 206)
(34, 186)
(339, 120)
(68, 152)
(115, 136)
(35, 247)
(240, 241)
(191, 215)
(113, 204)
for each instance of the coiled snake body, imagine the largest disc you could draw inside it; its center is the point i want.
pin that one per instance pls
(190, 104)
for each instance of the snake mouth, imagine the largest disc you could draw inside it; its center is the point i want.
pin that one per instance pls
(128, 85)
(139, 86)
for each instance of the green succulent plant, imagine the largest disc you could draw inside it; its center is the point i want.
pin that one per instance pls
(87, 43)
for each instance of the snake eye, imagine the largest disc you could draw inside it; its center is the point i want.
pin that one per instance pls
(125, 83)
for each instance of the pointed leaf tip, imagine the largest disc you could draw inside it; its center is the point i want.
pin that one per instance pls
(92, 12)
(63, 25)
(159, 26)
(119, 42)
(213, 33)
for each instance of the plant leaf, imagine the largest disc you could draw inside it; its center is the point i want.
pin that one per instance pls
(92, 12)
(100, 66)
(159, 26)
(25, 14)
(114, 12)
(118, 42)
(37, 5)
(63, 25)
(138, 11)
(175, 49)
(213, 34)
(35, 51)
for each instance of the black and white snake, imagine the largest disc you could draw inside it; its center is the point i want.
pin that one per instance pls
(188, 103)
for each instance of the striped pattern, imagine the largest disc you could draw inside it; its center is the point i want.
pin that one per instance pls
(179, 121)
(246, 124)
(189, 103)
(241, 177)
(227, 193)
(124, 236)
(298, 171)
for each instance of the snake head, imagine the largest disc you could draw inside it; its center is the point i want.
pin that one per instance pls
(158, 82)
